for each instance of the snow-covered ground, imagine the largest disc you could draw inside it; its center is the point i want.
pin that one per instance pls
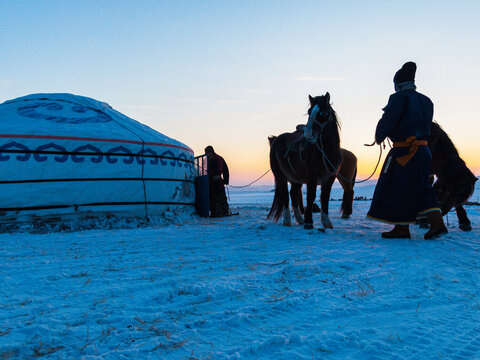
(242, 287)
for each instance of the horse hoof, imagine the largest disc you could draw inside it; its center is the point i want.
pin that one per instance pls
(298, 217)
(308, 226)
(465, 227)
(299, 220)
(327, 224)
(345, 216)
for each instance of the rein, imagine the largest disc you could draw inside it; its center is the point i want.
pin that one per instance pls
(376, 166)
(368, 178)
(315, 138)
(325, 157)
(337, 168)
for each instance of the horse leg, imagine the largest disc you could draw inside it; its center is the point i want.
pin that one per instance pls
(295, 195)
(311, 194)
(346, 177)
(287, 217)
(283, 192)
(347, 204)
(463, 220)
(347, 201)
(300, 201)
(324, 200)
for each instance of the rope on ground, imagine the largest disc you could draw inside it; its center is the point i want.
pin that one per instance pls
(253, 182)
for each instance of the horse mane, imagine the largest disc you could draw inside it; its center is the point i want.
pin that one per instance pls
(337, 123)
(271, 139)
(440, 142)
(446, 162)
(337, 119)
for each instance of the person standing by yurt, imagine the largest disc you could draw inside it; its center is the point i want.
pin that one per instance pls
(403, 190)
(218, 177)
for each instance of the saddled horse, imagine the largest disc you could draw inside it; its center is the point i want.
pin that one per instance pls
(455, 182)
(346, 176)
(312, 162)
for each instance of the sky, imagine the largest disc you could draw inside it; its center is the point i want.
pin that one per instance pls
(231, 73)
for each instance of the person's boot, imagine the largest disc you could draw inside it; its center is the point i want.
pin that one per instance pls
(398, 232)
(422, 222)
(437, 226)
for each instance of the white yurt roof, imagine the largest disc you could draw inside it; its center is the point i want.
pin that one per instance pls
(63, 112)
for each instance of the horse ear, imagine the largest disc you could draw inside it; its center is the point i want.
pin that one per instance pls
(327, 97)
(310, 98)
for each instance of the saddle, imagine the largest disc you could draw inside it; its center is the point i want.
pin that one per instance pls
(296, 142)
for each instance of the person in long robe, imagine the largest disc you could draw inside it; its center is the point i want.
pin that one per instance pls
(403, 191)
(218, 177)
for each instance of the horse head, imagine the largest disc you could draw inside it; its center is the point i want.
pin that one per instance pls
(455, 192)
(320, 115)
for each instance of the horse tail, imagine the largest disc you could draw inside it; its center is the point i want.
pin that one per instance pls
(281, 187)
(277, 206)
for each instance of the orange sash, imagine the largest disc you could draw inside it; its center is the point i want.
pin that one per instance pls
(411, 143)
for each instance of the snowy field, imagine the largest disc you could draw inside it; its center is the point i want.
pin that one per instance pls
(242, 287)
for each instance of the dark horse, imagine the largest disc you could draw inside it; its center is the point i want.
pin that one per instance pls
(312, 162)
(455, 182)
(346, 176)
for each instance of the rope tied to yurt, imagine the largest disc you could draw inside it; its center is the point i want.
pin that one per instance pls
(253, 182)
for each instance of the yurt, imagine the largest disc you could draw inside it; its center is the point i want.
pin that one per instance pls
(68, 156)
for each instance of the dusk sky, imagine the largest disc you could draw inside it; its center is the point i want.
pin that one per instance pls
(230, 73)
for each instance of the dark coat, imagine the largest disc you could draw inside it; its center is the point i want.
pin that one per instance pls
(404, 192)
(408, 113)
(218, 170)
(218, 176)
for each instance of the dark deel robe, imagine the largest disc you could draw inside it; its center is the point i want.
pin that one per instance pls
(404, 192)
(218, 176)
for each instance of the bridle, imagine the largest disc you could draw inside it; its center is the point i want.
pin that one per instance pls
(312, 119)
(317, 138)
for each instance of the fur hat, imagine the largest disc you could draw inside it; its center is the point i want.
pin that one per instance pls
(406, 73)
